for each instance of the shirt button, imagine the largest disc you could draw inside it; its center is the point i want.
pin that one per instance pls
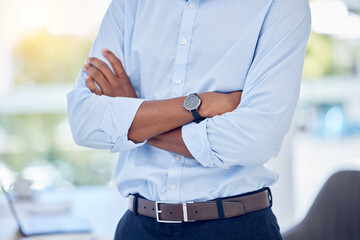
(177, 157)
(173, 186)
(191, 4)
(178, 81)
(183, 41)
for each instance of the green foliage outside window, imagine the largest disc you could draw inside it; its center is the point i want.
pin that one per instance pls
(45, 58)
(318, 56)
(326, 55)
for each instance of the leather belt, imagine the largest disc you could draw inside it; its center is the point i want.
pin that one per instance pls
(173, 212)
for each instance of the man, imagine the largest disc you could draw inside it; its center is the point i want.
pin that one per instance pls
(196, 96)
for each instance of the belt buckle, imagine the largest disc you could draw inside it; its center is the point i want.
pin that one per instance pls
(158, 211)
(185, 212)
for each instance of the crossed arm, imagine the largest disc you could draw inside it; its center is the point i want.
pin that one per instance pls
(159, 122)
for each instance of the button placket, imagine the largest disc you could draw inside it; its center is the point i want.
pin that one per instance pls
(178, 80)
(174, 178)
(184, 42)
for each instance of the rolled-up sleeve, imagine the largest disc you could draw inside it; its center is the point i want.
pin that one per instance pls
(253, 133)
(100, 121)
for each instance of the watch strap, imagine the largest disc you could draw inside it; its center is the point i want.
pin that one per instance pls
(196, 116)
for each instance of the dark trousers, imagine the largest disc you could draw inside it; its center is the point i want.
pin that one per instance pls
(259, 225)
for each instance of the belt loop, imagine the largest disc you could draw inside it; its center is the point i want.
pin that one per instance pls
(135, 203)
(220, 208)
(270, 196)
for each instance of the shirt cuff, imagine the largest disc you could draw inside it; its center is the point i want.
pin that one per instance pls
(117, 120)
(195, 138)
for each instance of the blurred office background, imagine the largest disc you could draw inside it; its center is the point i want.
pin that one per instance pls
(44, 43)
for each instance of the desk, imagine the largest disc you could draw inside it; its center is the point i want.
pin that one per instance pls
(101, 206)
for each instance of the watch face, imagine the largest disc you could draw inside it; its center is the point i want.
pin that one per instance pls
(192, 102)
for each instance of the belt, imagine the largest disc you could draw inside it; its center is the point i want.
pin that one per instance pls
(221, 208)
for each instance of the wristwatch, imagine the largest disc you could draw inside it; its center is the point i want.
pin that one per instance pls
(192, 104)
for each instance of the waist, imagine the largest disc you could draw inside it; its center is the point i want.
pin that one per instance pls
(221, 208)
(162, 179)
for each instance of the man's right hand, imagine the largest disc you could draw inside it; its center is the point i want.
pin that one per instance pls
(214, 103)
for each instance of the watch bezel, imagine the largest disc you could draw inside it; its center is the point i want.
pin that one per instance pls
(193, 95)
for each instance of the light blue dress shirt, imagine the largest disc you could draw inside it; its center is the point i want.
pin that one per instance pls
(171, 48)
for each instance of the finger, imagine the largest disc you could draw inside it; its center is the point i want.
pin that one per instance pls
(115, 62)
(90, 83)
(97, 76)
(103, 68)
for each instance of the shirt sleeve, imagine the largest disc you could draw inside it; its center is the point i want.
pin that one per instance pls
(253, 133)
(100, 121)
